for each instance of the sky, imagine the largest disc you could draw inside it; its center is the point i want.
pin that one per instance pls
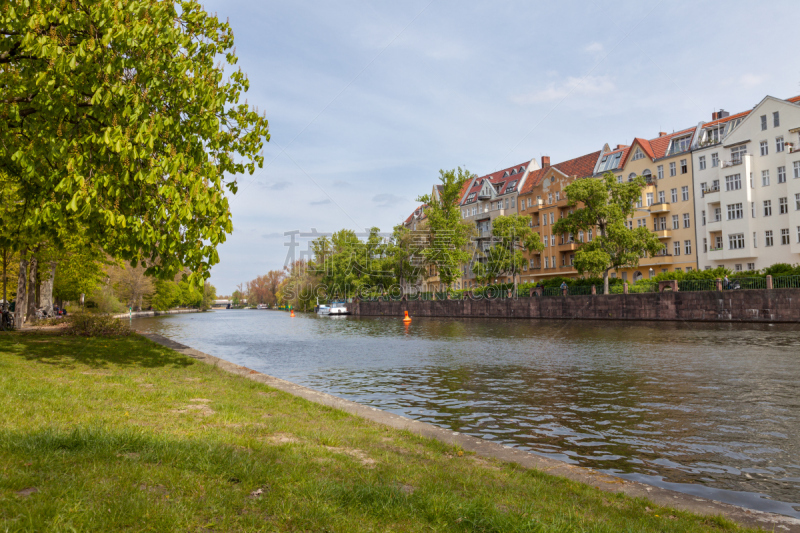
(367, 101)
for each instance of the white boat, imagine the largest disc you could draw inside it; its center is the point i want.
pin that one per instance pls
(338, 308)
(324, 310)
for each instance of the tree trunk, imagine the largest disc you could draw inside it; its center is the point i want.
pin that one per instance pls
(32, 276)
(46, 289)
(19, 309)
(605, 282)
(5, 274)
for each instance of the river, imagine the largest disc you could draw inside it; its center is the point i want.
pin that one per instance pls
(706, 409)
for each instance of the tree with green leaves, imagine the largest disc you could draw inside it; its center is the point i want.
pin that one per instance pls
(512, 235)
(448, 235)
(403, 253)
(115, 119)
(606, 205)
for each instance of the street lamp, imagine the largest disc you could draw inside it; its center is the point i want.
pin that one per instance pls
(651, 273)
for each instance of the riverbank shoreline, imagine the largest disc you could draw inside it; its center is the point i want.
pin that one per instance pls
(732, 306)
(491, 450)
(148, 314)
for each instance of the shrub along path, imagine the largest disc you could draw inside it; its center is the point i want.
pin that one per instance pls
(113, 434)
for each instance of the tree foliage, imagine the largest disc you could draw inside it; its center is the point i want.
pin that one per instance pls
(346, 265)
(448, 235)
(114, 118)
(512, 234)
(606, 205)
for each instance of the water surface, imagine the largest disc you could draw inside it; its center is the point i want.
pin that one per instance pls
(708, 409)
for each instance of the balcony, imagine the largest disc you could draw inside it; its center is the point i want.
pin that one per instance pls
(568, 246)
(663, 233)
(735, 162)
(567, 267)
(662, 207)
(715, 250)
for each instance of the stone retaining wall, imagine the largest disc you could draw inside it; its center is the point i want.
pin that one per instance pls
(141, 314)
(777, 305)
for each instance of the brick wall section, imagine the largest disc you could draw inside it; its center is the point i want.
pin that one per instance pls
(779, 305)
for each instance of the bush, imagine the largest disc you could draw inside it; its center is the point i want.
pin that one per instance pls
(91, 325)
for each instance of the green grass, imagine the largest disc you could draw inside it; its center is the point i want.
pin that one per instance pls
(122, 434)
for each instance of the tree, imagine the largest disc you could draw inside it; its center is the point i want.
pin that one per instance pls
(512, 235)
(606, 206)
(131, 285)
(448, 235)
(402, 254)
(114, 118)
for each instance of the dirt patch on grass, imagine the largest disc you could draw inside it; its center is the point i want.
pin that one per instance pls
(283, 438)
(24, 493)
(200, 400)
(201, 409)
(359, 455)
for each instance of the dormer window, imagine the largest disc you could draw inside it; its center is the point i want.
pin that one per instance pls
(680, 144)
(471, 198)
(511, 186)
(505, 174)
(521, 169)
(638, 155)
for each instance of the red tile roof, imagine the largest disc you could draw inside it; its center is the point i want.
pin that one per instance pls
(498, 179)
(794, 99)
(580, 167)
(726, 119)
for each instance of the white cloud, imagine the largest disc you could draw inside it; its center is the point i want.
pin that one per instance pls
(326, 201)
(594, 48)
(388, 200)
(751, 80)
(586, 86)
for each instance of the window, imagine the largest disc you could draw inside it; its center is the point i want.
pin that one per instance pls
(685, 193)
(705, 245)
(752, 209)
(764, 148)
(763, 122)
(687, 247)
(674, 196)
(589, 237)
(687, 220)
(675, 223)
(676, 248)
(714, 160)
(552, 218)
(736, 241)
(735, 211)
(638, 155)
(684, 166)
(798, 234)
(797, 202)
(580, 236)
(717, 214)
(767, 208)
(768, 238)
(544, 222)
(553, 242)
(738, 152)
(558, 196)
(752, 185)
(718, 242)
(704, 217)
(783, 205)
(546, 241)
(737, 267)
(513, 202)
(796, 169)
(702, 162)
(688, 269)
(733, 183)
(681, 145)
(631, 176)
(649, 199)
(779, 145)
(550, 198)
(546, 262)
(776, 119)
(660, 170)
(672, 170)
(781, 174)
(619, 179)
(785, 236)
(765, 178)
(662, 197)
(751, 266)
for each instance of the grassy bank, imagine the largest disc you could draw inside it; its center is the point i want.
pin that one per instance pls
(122, 434)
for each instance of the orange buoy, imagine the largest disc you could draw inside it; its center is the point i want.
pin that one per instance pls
(407, 319)
(292, 315)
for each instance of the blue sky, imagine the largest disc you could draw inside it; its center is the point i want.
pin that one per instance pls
(368, 100)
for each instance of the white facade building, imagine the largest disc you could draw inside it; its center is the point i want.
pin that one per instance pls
(747, 187)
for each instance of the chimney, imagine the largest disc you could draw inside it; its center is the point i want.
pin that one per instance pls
(662, 133)
(621, 146)
(545, 161)
(720, 114)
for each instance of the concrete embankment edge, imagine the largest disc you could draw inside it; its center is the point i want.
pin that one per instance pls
(497, 451)
(145, 314)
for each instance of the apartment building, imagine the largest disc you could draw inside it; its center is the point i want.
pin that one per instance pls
(544, 200)
(666, 204)
(486, 198)
(747, 187)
